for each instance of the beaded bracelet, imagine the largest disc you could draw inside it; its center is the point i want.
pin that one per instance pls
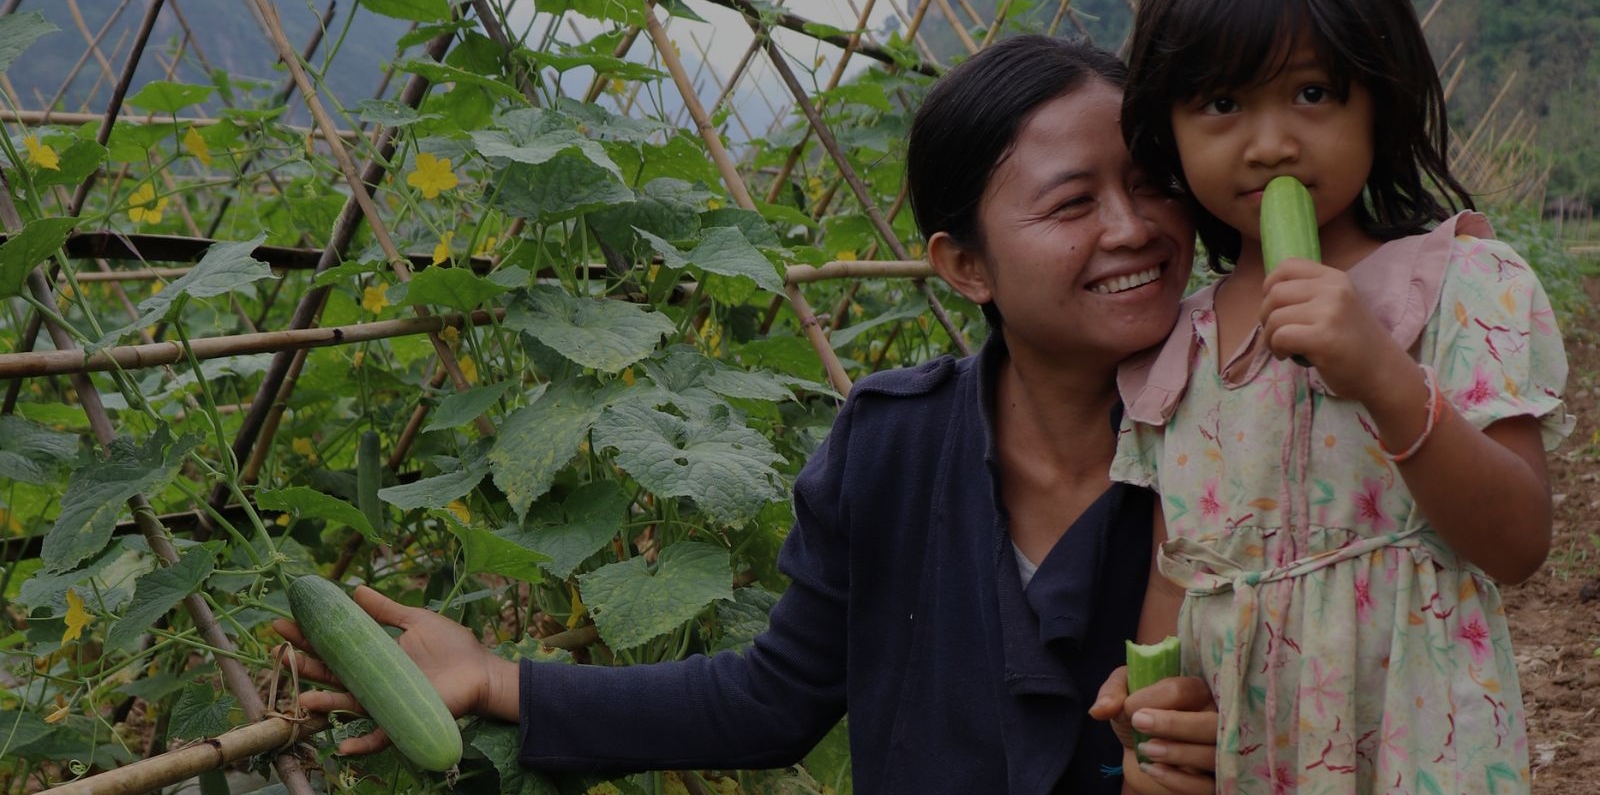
(1435, 407)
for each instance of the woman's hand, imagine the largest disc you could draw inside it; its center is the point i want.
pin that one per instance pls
(470, 679)
(1181, 720)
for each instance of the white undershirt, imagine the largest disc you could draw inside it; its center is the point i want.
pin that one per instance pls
(1025, 567)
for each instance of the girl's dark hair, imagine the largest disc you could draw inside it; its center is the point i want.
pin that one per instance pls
(1182, 50)
(969, 121)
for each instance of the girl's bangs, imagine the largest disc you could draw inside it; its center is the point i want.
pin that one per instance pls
(1226, 46)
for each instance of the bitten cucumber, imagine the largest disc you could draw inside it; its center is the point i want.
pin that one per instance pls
(377, 672)
(1288, 223)
(1149, 663)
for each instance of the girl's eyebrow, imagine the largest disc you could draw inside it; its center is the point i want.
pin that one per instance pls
(1058, 179)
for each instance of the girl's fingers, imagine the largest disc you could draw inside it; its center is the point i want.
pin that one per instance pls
(1179, 781)
(1180, 754)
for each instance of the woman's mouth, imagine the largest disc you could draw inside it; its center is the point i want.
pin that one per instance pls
(1118, 284)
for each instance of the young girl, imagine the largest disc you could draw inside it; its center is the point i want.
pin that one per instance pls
(1338, 529)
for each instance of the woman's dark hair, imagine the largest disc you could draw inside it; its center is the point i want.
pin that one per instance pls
(970, 118)
(1183, 50)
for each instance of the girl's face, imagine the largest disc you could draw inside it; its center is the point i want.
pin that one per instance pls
(1084, 257)
(1232, 143)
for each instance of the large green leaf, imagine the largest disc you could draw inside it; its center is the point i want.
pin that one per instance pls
(488, 553)
(458, 288)
(18, 32)
(722, 250)
(77, 162)
(161, 96)
(460, 408)
(725, 467)
(499, 743)
(536, 441)
(633, 602)
(591, 516)
(308, 503)
(38, 239)
(20, 729)
(600, 333)
(29, 453)
(226, 267)
(96, 494)
(202, 711)
(439, 490)
(157, 592)
(683, 369)
(560, 188)
(535, 136)
(412, 10)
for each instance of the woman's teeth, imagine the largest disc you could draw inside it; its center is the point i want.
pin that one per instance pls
(1128, 282)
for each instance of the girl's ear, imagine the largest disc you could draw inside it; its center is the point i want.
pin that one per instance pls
(961, 267)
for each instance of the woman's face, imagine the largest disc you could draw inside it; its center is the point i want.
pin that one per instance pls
(1085, 258)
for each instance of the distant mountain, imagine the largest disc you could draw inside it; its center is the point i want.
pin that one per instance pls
(226, 35)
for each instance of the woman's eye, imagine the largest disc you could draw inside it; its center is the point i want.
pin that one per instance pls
(1219, 106)
(1315, 95)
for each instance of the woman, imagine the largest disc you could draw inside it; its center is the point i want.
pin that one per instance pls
(963, 572)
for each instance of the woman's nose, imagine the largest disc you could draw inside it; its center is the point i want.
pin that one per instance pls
(1126, 224)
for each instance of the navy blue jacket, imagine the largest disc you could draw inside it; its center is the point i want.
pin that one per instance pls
(905, 606)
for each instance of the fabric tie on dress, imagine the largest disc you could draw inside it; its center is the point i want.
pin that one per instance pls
(1206, 573)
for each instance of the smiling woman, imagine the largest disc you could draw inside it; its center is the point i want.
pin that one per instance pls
(966, 636)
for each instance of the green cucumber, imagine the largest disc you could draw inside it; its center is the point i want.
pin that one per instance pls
(377, 672)
(1288, 227)
(1149, 663)
(369, 477)
(1288, 223)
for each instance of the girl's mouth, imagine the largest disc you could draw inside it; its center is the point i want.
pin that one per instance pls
(1118, 284)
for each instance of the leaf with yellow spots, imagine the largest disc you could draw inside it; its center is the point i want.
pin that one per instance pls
(144, 207)
(77, 617)
(459, 508)
(431, 175)
(374, 298)
(41, 155)
(195, 145)
(441, 252)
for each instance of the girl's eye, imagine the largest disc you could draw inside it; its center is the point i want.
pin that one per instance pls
(1219, 106)
(1314, 95)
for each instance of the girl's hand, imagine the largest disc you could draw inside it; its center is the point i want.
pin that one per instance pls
(1312, 310)
(470, 679)
(1181, 720)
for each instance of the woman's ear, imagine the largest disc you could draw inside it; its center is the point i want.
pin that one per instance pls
(961, 267)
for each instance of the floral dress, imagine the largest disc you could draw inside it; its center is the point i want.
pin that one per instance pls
(1349, 650)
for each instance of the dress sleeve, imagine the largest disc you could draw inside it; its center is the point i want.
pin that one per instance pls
(765, 707)
(1138, 449)
(1494, 342)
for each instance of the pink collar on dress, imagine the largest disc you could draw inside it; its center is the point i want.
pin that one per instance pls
(1400, 283)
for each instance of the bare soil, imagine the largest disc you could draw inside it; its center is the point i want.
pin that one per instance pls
(1555, 616)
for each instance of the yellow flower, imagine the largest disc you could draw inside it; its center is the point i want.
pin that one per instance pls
(374, 298)
(61, 712)
(627, 376)
(9, 522)
(77, 617)
(358, 359)
(459, 508)
(486, 247)
(451, 334)
(431, 175)
(469, 370)
(441, 252)
(282, 520)
(713, 204)
(144, 207)
(195, 145)
(846, 256)
(40, 154)
(302, 447)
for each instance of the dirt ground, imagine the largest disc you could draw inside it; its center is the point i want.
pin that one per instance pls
(1555, 616)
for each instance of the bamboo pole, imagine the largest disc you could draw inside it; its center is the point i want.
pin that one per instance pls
(135, 357)
(147, 775)
(1487, 114)
(955, 24)
(741, 195)
(800, 24)
(999, 22)
(858, 269)
(92, 49)
(885, 231)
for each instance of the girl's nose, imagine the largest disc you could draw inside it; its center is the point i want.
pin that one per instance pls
(1272, 142)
